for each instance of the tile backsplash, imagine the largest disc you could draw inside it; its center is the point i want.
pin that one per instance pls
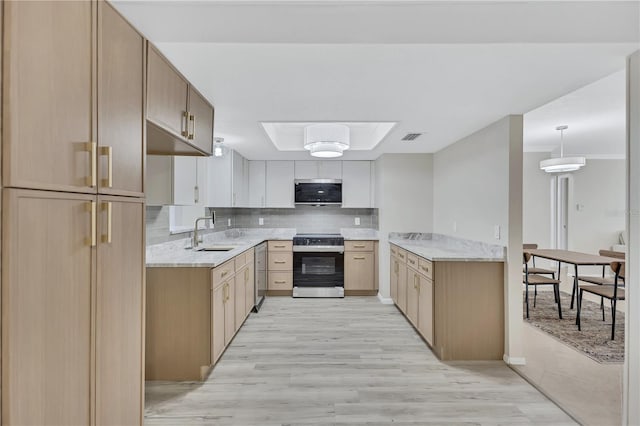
(306, 219)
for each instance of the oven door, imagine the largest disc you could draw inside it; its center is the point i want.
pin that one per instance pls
(313, 269)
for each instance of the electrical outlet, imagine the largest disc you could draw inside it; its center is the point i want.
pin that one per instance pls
(357, 221)
(496, 232)
(260, 221)
(229, 222)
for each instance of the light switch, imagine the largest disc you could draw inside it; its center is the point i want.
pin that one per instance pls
(357, 221)
(260, 221)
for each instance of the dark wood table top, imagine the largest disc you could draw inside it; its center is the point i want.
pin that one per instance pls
(573, 257)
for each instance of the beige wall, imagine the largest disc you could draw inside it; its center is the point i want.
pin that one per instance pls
(478, 186)
(404, 197)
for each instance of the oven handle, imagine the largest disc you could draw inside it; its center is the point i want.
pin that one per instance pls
(319, 249)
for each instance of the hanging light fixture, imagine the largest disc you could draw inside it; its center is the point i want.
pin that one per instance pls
(219, 148)
(326, 140)
(562, 164)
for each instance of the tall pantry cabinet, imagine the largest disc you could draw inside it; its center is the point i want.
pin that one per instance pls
(73, 145)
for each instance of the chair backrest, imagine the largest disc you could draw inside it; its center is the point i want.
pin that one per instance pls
(529, 246)
(618, 268)
(612, 253)
(525, 257)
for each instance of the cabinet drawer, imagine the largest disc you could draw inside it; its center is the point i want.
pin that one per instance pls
(222, 273)
(240, 261)
(412, 261)
(280, 261)
(402, 255)
(280, 246)
(280, 281)
(393, 249)
(425, 268)
(358, 245)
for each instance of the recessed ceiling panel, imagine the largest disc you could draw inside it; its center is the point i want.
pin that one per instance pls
(289, 136)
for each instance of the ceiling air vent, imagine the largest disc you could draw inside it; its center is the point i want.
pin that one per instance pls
(411, 136)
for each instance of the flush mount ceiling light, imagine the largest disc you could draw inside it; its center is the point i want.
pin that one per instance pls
(326, 140)
(219, 148)
(562, 164)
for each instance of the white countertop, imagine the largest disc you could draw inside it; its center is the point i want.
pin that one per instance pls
(174, 253)
(438, 247)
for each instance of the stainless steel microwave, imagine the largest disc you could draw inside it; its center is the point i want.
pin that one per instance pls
(318, 191)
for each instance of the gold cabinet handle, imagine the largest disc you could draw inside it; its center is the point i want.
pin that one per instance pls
(397, 266)
(192, 121)
(358, 257)
(94, 225)
(108, 151)
(278, 246)
(280, 282)
(279, 261)
(359, 246)
(185, 121)
(413, 262)
(108, 206)
(224, 273)
(92, 149)
(246, 275)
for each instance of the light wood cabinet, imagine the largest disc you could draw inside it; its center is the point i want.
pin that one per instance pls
(279, 184)
(250, 293)
(280, 268)
(201, 121)
(49, 120)
(359, 268)
(240, 285)
(217, 339)
(456, 306)
(46, 307)
(230, 312)
(121, 150)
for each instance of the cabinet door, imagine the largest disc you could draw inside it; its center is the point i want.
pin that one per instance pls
(166, 94)
(279, 184)
(402, 287)
(229, 313)
(250, 293)
(219, 176)
(241, 292)
(356, 184)
(218, 304)
(120, 105)
(119, 312)
(425, 308)
(46, 307)
(412, 296)
(358, 271)
(200, 121)
(185, 185)
(394, 279)
(330, 169)
(257, 177)
(306, 169)
(48, 80)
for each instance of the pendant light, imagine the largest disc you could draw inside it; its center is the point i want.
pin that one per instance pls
(219, 148)
(326, 140)
(562, 164)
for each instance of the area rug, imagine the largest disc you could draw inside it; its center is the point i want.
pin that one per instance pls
(595, 338)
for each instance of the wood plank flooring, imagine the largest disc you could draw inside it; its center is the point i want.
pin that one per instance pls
(344, 362)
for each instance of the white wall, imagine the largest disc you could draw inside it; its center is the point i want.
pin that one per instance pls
(536, 200)
(478, 186)
(404, 197)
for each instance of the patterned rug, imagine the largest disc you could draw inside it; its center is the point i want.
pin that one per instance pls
(595, 338)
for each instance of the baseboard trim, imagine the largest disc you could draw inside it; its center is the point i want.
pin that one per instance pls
(385, 300)
(514, 360)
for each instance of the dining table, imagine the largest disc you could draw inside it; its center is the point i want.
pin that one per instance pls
(574, 258)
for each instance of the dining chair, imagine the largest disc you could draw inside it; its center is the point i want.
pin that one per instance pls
(613, 293)
(535, 280)
(602, 280)
(535, 270)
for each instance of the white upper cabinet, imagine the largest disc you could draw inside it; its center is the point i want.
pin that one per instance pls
(279, 183)
(257, 183)
(239, 182)
(179, 181)
(356, 184)
(219, 178)
(318, 169)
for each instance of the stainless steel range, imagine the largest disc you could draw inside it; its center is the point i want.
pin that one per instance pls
(318, 265)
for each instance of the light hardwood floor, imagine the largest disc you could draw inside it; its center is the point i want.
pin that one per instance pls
(344, 361)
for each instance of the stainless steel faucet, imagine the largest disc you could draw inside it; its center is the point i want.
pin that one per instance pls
(194, 243)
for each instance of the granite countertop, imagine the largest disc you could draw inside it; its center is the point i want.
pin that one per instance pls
(438, 247)
(174, 253)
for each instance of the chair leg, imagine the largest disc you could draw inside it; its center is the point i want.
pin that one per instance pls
(579, 306)
(613, 320)
(535, 295)
(602, 306)
(526, 298)
(556, 292)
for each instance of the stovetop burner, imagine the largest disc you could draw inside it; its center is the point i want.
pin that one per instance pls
(318, 240)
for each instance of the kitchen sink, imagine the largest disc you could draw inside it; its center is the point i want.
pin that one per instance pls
(215, 248)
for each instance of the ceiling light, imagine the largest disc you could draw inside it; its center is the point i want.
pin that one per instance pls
(219, 148)
(562, 164)
(326, 140)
